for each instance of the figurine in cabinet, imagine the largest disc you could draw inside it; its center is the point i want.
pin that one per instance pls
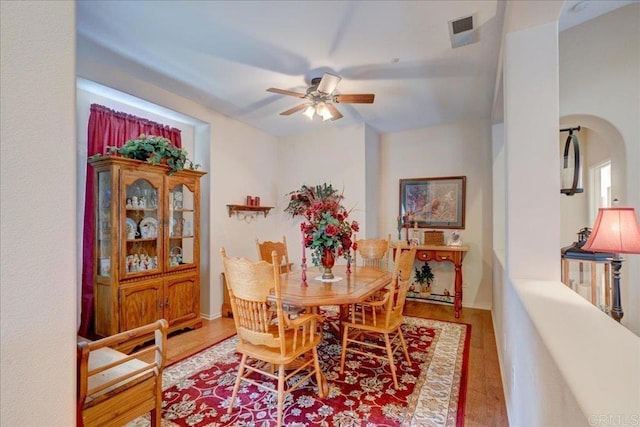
(178, 227)
(177, 200)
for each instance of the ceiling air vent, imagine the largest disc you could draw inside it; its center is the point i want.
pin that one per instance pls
(462, 32)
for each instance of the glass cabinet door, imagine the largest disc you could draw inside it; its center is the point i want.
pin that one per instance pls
(142, 229)
(103, 224)
(181, 226)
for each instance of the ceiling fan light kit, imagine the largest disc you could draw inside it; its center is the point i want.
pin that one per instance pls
(321, 98)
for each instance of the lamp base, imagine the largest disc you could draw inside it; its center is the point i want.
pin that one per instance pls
(616, 305)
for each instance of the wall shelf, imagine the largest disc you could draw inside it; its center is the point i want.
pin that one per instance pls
(237, 209)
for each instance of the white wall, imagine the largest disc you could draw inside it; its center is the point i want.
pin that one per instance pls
(38, 210)
(600, 77)
(461, 149)
(335, 156)
(373, 184)
(243, 162)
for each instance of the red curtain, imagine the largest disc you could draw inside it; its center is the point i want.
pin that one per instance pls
(107, 128)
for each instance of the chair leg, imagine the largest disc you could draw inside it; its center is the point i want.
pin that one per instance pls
(392, 365)
(319, 378)
(345, 334)
(281, 374)
(156, 414)
(404, 346)
(236, 387)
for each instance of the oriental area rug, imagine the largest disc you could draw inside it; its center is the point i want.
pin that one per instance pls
(432, 389)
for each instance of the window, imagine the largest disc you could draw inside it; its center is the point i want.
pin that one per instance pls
(600, 197)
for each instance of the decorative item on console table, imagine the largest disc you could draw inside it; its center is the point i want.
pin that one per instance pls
(433, 237)
(454, 239)
(326, 227)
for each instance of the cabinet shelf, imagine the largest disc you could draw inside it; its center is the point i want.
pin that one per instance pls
(234, 209)
(143, 239)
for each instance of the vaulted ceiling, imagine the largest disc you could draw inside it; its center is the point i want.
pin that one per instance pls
(225, 54)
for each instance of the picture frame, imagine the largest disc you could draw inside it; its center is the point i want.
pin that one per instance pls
(437, 202)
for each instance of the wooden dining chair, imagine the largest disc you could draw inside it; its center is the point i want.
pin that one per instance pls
(115, 388)
(284, 343)
(380, 319)
(373, 253)
(267, 247)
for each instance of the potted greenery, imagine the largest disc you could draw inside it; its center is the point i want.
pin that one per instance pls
(424, 278)
(155, 150)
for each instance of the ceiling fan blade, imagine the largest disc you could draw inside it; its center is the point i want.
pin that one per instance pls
(359, 98)
(286, 92)
(294, 109)
(328, 83)
(335, 114)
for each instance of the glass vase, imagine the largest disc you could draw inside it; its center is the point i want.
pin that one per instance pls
(328, 259)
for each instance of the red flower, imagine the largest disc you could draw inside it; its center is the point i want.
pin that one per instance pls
(331, 230)
(325, 225)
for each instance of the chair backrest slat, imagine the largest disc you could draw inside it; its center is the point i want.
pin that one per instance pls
(402, 268)
(250, 286)
(373, 253)
(266, 248)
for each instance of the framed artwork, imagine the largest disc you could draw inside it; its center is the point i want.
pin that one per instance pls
(433, 202)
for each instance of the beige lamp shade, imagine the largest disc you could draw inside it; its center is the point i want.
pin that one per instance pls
(616, 230)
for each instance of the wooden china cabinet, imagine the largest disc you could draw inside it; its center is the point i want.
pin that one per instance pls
(147, 249)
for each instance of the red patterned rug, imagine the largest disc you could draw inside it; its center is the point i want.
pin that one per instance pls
(432, 390)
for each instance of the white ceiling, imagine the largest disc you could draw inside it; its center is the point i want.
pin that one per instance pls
(225, 54)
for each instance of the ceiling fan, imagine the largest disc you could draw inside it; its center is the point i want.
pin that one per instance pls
(320, 98)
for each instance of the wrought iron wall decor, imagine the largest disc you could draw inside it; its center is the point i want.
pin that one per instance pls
(571, 177)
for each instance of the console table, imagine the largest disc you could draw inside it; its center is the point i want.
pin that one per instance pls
(452, 254)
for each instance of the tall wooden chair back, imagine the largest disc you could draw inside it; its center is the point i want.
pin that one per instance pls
(267, 247)
(373, 253)
(265, 331)
(402, 268)
(382, 318)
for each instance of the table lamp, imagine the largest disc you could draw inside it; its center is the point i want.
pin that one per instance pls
(616, 230)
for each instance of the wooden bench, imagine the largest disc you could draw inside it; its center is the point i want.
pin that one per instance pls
(115, 388)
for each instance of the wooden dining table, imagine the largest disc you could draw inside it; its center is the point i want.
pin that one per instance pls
(353, 287)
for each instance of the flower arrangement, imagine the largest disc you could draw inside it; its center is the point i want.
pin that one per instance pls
(326, 224)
